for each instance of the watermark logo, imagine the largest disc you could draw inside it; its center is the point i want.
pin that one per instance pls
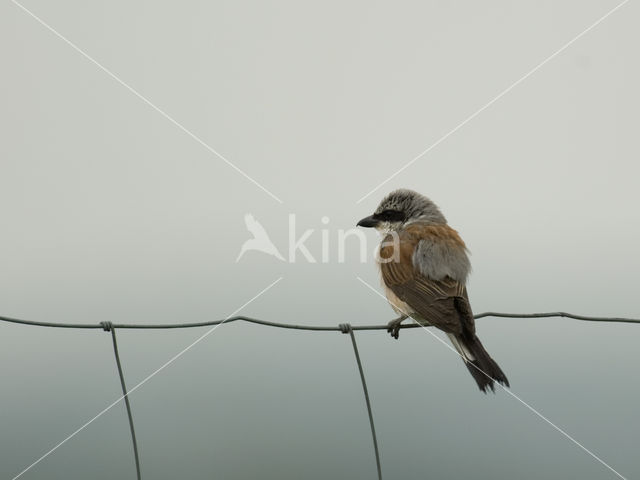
(260, 241)
(330, 241)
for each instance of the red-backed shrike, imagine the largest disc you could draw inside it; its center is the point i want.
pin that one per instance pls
(424, 266)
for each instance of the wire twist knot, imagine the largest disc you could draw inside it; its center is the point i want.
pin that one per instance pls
(106, 326)
(345, 327)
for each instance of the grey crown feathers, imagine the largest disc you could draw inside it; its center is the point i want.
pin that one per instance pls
(414, 205)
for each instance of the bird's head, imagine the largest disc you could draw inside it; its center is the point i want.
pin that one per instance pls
(400, 208)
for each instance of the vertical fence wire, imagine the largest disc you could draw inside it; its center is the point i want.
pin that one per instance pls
(346, 328)
(108, 327)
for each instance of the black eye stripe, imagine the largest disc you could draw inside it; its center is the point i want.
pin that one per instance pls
(390, 216)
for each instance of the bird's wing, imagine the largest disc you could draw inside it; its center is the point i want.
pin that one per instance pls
(443, 303)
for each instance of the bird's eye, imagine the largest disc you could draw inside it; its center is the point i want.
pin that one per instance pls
(390, 216)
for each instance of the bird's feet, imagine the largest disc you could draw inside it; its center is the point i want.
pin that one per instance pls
(393, 327)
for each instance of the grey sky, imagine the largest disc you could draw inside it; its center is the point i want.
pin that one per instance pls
(110, 212)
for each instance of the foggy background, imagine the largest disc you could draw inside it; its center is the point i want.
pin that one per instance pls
(112, 213)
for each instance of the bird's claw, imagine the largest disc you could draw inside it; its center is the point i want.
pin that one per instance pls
(393, 327)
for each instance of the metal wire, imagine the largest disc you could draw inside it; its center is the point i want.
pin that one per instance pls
(160, 326)
(108, 327)
(344, 328)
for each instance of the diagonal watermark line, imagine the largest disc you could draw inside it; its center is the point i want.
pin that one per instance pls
(147, 378)
(533, 410)
(145, 99)
(495, 99)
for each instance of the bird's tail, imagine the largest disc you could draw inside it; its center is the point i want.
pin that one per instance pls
(482, 367)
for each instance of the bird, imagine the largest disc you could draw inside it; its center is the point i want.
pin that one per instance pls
(260, 241)
(424, 265)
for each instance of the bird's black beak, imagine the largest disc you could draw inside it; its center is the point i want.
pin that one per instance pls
(369, 221)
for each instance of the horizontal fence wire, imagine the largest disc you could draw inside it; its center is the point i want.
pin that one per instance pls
(343, 328)
(294, 326)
